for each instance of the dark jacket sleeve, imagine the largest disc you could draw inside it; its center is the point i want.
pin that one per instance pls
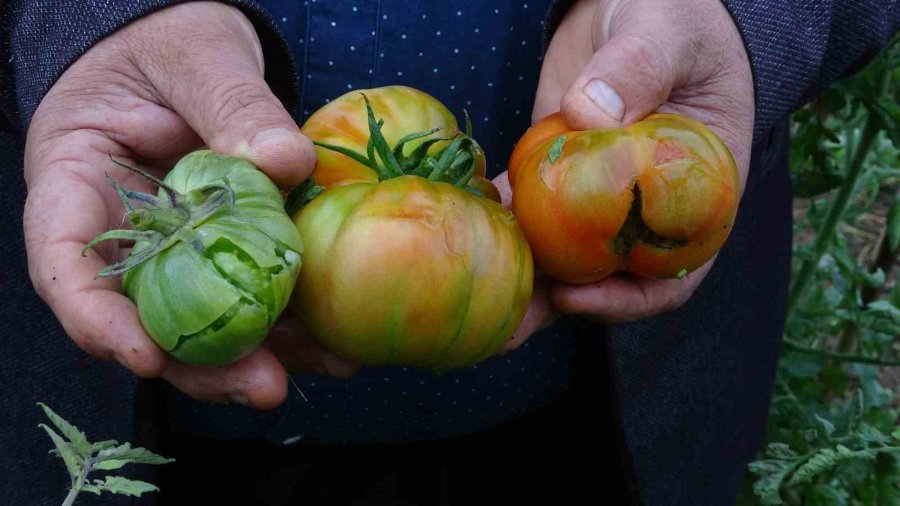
(41, 39)
(797, 49)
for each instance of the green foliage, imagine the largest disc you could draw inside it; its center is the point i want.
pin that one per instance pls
(833, 435)
(82, 457)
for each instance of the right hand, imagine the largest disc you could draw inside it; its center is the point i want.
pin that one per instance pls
(181, 78)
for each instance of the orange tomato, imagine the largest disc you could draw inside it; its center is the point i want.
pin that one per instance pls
(657, 198)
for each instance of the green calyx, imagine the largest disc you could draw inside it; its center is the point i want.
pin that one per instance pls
(455, 164)
(162, 222)
(302, 195)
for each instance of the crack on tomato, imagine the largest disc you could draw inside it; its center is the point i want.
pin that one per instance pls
(254, 283)
(239, 269)
(634, 231)
(217, 324)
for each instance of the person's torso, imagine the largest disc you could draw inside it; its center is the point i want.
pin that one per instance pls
(482, 57)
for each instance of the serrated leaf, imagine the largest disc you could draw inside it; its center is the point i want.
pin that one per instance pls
(767, 487)
(780, 451)
(109, 465)
(134, 455)
(869, 434)
(826, 458)
(76, 437)
(826, 495)
(826, 426)
(90, 488)
(119, 485)
(766, 467)
(102, 445)
(65, 450)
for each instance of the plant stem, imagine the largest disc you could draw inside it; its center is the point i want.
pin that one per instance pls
(826, 232)
(76, 486)
(883, 259)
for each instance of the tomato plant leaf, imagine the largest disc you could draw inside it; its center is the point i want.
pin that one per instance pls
(96, 447)
(75, 436)
(109, 465)
(90, 488)
(66, 452)
(120, 485)
(136, 455)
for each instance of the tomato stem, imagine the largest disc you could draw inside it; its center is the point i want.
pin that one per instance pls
(161, 222)
(455, 164)
(838, 206)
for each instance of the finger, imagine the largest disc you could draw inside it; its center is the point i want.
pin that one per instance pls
(627, 78)
(299, 352)
(114, 105)
(625, 297)
(539, 316)
(257, 380)
(214, 79)
(568, 52)
(100, 321)
(156, 133)
(501, 182)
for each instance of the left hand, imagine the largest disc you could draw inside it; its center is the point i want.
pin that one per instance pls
(540, 311)
(613, 62)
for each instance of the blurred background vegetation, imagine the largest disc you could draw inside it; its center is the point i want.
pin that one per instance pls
(834, 433)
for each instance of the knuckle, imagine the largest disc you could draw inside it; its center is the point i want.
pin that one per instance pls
(233, 97)
(650, 63)
(243, 101)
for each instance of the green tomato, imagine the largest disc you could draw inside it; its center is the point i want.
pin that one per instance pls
(215, 258)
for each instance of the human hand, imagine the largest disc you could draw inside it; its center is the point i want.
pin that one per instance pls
(540, 312)
(169, 83)
(611, 63)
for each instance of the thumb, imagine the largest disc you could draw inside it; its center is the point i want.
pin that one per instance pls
(626, 79)
(212, 75)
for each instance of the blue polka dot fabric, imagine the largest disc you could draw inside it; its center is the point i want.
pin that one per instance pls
(482, 57)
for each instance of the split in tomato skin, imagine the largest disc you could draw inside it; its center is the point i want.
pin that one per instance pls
(215, 257)
(415, 262)
(657, 198)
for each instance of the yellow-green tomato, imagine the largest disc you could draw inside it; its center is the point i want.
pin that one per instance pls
(409, 271)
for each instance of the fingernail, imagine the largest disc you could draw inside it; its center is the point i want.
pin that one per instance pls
(271, 136)
(240, 399)
(606, 97)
